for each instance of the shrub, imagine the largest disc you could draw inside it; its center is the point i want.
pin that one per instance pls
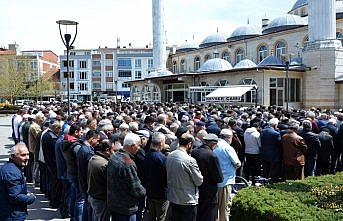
(316, 198)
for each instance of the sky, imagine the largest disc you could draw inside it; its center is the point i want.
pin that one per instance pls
(32, 23)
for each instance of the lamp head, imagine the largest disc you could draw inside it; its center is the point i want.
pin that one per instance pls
(67, 38)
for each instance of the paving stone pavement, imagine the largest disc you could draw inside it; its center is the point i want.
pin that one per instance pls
(40, 209)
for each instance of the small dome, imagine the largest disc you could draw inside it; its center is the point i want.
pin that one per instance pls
(188, 46)
(283, 23)
(215, 64)
(299, 4)
(245, 31)
(271, 60)
(246, 63)
(213, 39)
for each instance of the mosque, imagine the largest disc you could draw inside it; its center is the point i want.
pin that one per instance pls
(292, 61)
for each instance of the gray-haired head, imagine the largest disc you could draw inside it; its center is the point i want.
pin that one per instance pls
(157, 138)
(131, 139)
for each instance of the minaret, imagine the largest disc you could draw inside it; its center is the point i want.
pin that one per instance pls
(322, 20)
(321, 56)
(159, 47)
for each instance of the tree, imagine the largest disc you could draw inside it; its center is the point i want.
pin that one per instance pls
(13, 74)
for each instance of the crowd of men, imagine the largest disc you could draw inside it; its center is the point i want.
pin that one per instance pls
(161, 161)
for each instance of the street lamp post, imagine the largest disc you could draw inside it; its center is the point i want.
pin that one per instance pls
(66, 41)
(287, 85)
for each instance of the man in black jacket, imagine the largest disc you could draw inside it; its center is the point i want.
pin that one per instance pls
(210, 169)
(325, 152)
(313, 145)
(48, 145)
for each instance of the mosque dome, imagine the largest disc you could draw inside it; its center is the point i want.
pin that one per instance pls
(215, 64)
(188, 46)
(213, 40)
(271, 60)
(283, 23)
(160, 73)
(245, 32)
(246, 63)
(301, 3)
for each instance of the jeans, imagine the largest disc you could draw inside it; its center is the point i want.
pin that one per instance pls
(99, 209)
(120, 217)
(310, 167)
(77, 201)
(87, 209)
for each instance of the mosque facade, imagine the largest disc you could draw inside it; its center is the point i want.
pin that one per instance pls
(295, 61)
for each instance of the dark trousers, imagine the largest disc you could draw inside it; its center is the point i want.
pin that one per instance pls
(183, 213)
(294, 172)
(65, 200)
(43, 178)
(310, 167)
(87, 209)
(322, 168)
(271, 170)
(120, 217)
(141, 209)
(253, 166)
(207, 211)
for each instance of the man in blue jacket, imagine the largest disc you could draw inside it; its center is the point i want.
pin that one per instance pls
(271, 150)
(14, 196)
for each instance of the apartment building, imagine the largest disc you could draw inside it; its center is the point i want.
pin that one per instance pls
(103, 72)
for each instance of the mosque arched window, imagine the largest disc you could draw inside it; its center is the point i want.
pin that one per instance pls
(196, 63)
(207, 57)
(183, 66)
(174, 67)
(250, 96)
(280, 49)
(222, 82)
(262, 52)
(204, 84)
(239, 55)
(226, 56)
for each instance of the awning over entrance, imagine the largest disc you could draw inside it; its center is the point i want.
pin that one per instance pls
(228, 93)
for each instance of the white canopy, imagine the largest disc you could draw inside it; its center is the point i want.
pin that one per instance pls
(232, 92)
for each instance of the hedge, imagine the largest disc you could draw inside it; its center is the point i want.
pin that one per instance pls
(316, 198)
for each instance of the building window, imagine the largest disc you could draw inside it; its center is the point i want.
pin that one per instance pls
(138, 74)
(96, 85)
(125, 85)
(239, 55)
(34, 65)
(124, 63)
(96, 63)
(278, 94)
(150, 63)
(226, 56)
(109, 74)
(250, 96)
(196, 63)
(109, 62)
(280, 49)
(174, 67)
(183, 66)
(262, 52)
(222, 83)
(83, 75)
(71, 63)
(96, 74)
(71, 86)
(124, 74)
(207, 57)
(138, 63)
(109, 86)
(83, 64)
(339, 36)
(71, 74)
(204, 84)
(83, 86)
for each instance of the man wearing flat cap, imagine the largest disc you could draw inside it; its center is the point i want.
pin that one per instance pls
(210, 169)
